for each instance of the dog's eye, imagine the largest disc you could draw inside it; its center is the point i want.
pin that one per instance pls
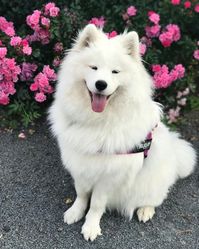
(93, 67)
(115, 71)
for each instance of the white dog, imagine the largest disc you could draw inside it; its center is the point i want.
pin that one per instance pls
(104, 119)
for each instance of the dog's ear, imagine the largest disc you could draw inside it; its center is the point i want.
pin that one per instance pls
(88, 35)
(131, 43)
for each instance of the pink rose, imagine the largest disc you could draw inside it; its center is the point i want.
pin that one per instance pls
(10, 31)
(153, 31)
(45, 21)
(48, 6)
(3, 23)
(175, 2)
(156, 68)
(40, 97)
(196, 8)
(163, 78)
(98, 22)
(175, 30)
(155, 18)
(177, 72)
(50, 73)
(9, 72)
(34, 87)
(42, 81)
(166, 39)
(27, 50)
(15, 41)
(187, 4)
(54, 11)
(131, 11)
(10, 63)
(112, 34)
(180, 69)
(24, 42)
(196, 54)
(142, 48)
(3, 52)
(4, 100)
(33, 20)
(174, 75)
(172, 34)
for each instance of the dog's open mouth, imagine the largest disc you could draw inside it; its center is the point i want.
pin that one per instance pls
(98, 101)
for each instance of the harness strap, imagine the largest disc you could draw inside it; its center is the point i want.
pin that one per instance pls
(144, 146)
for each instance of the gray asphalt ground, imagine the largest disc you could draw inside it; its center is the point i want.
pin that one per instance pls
(35, 190)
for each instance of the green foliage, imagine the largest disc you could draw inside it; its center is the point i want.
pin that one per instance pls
(29, 111)
(194, 102)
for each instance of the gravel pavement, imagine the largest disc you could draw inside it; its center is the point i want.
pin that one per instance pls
(35, 190)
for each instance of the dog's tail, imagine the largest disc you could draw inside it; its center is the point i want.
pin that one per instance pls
(186, 157)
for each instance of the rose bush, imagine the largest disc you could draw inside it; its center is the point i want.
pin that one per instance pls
(31, 52)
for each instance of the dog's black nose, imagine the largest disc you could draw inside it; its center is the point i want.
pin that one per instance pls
(100, 85)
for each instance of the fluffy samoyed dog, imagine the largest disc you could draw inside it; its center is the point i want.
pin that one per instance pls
(109, 130)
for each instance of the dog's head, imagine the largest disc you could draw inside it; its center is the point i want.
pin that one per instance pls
(106, 67)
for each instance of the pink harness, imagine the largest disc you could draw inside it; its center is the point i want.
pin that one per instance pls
(144, 146)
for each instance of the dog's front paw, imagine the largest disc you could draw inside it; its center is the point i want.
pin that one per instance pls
(145, 213)
(90, 231)
(73, 215)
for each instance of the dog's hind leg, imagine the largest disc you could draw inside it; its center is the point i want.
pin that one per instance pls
(145, 213)
(77, 211)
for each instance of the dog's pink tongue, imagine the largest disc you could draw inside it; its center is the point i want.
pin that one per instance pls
(98, 102)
